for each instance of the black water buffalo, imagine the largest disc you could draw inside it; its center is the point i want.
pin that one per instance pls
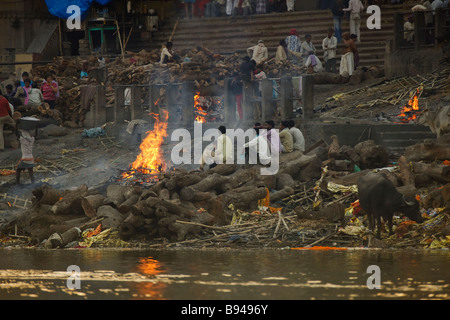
(379, 198)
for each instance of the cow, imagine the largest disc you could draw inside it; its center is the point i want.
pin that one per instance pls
(438, 121)
(379, 198)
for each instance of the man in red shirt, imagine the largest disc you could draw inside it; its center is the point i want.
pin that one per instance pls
(5, 118)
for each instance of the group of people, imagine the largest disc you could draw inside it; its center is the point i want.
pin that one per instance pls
(26, 138)
(233, 8)
(26, 92)
(287, 139)
(294, 50)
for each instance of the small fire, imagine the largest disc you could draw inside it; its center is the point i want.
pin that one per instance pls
(407, 112)
(151, 159)
(200, 114)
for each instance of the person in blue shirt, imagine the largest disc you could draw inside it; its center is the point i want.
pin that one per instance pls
(84, 74)
(25, 76)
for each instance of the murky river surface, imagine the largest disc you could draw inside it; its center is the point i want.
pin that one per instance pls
(224, 275)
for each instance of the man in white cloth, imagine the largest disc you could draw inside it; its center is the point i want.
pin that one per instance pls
(219, 151)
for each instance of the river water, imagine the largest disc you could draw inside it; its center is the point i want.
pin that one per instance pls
(223, 274)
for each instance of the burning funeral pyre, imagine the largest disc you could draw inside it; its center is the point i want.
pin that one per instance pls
(411, 110)
(207, 108)
(150, 161)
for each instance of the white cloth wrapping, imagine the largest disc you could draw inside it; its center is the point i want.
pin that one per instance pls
(347, 64)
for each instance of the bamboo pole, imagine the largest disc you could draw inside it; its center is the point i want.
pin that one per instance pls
(174, 28)
(61, 53)
(120, 39)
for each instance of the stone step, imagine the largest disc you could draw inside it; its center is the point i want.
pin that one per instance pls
(407, 135)
(221, 36)
(407, 127)
(398, 144)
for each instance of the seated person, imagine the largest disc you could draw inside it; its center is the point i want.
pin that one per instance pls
(168, 55)
(297, 136)
(287, 142)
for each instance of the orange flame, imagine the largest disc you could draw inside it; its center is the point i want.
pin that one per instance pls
(412, 105)
(200, 113)
(151, 158)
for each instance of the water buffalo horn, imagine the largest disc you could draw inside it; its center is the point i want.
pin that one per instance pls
(409, 203)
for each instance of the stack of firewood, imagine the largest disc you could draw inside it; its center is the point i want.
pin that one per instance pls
(200, 65)
(180, 203)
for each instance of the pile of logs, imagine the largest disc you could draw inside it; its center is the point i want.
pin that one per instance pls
(200, 65)
(181, 203)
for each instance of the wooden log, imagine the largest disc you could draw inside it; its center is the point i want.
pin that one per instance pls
(245, 199)
(126, 231)
(434, 199)
(437, 172)
(349, 179)
(281, 194)
(338, 165)
(294, 168)
(183, 230)
(177, 207)
(136, 220)
(372, 155)
(126, 205)
(284, 180)
(47, 195)
(89, 210)
(210, 183)
(71, 202)
(161, 212)
(61, 240)
(224, 169)
(164, 194)
(405, 173)
(429, 150)
(152, 202)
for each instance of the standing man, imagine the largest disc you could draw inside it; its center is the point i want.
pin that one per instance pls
(5, 118)
(293, 41)
(27, 159)
(259, 52)
(329, 45)
(338, 12)
(347, 65)
(290, 5)
(189, 8)
(355, 7)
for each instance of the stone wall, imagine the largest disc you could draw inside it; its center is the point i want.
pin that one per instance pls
(410, 62)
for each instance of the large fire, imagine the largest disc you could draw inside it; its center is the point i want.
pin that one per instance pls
(151, 159)
(410, 110)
